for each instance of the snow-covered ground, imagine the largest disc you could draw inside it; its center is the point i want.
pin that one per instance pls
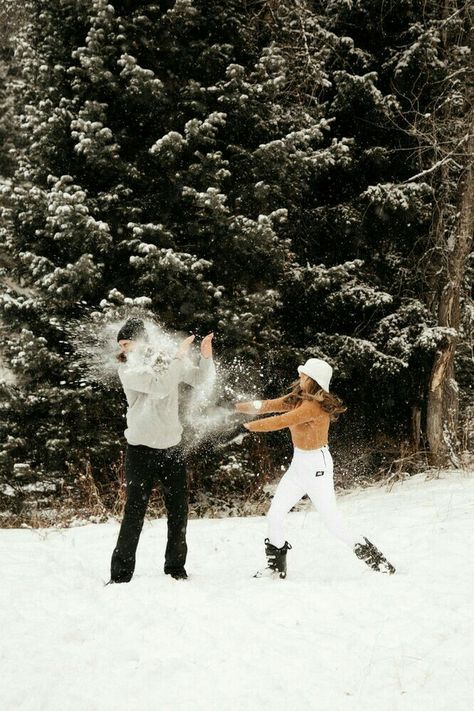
(334, 636)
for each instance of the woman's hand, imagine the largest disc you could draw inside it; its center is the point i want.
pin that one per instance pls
(206, 346)
(184, 347)
(249, 408)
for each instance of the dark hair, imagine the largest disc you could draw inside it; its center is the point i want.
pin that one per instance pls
(132, 329)
(330, 403)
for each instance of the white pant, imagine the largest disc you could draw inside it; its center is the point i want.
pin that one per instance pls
(310, 472)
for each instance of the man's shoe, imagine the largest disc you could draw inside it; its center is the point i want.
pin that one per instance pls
(180, 574)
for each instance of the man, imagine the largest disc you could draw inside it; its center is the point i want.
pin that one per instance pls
(153, 437)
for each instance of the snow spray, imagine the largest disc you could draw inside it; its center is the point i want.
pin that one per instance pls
(206, 411)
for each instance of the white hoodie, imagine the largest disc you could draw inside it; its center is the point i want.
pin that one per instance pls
(152, 413)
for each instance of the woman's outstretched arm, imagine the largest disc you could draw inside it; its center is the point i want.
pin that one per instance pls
(260, 407)
(304, 413)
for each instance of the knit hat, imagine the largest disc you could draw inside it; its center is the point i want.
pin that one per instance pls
(318, 370)
(131, 330)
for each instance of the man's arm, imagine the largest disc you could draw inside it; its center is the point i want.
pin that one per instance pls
(197, 375)
(205, 373)
(143, 379)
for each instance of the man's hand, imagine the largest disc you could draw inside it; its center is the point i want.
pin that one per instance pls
(206, 346)
(184, 347)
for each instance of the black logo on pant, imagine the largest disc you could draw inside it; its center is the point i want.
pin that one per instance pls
(318, 473)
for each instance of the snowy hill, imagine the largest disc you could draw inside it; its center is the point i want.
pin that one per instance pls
(334, 636)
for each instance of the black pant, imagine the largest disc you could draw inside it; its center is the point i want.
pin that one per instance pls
(143, 467)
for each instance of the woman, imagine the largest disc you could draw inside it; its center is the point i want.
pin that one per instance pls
(308, 411)
(153, 437)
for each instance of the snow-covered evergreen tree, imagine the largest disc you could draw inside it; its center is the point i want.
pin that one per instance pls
(237, 168)
(396, 66)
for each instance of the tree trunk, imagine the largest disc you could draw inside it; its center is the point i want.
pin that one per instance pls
(442, 406)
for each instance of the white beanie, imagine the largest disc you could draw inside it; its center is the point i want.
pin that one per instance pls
(318, 370)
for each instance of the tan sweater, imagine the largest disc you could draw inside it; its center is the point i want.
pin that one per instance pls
(308, 423)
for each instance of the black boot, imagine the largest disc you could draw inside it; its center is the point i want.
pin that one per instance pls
(373, 557)
(276, 559)
(177, 573)
(121, 567)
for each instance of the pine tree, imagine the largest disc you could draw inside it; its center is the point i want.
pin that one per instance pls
(442, 120)
(352, 294)
(133, 191)
(245, 169)
(400, 62)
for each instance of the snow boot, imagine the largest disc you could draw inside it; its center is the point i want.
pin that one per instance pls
(276, 559)
(177, 573)
(373, 557)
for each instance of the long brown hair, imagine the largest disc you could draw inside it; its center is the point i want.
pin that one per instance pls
(330, 403)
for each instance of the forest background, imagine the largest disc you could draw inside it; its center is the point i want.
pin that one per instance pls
(295, 176)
